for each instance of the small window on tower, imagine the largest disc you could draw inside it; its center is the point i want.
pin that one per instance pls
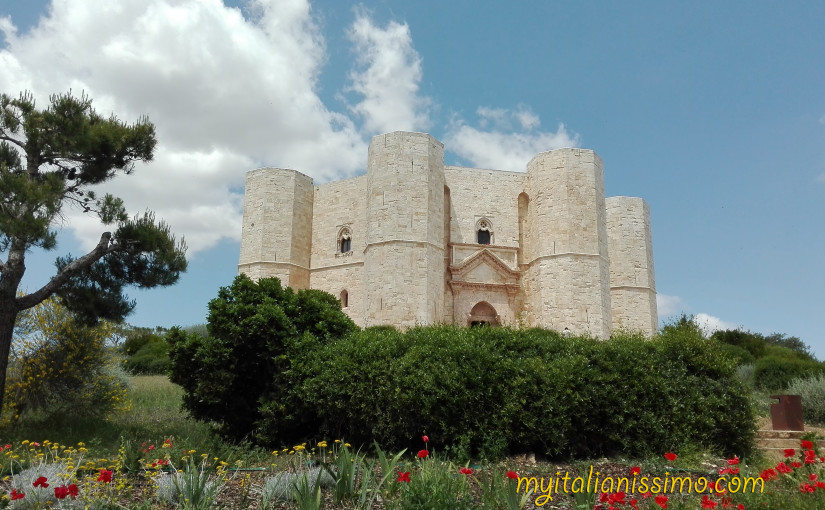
(345, 240)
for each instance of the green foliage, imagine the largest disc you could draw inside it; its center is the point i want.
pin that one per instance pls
(152, 358)
(490, 391)
(739, 355)
(753, 343)
(243, 370)
(146, 351)
(776, 371)
(812, 390)
(62, 367)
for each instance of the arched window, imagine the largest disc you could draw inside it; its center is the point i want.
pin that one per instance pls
(345, 240)
(484, 231)
(344, 298)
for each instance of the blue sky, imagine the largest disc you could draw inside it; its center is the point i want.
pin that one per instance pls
(713, 112)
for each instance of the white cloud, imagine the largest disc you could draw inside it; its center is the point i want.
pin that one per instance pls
(225, 92)
(708, 323)
(669, 305)
(388, 79)
(506, 139)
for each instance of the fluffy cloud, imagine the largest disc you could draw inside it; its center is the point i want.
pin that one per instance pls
(505, 139)
(229, 91)
(669, 305)
(708, 323)
(226, 93)
(388, 77)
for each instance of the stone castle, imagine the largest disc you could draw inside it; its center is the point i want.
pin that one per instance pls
(417, 242)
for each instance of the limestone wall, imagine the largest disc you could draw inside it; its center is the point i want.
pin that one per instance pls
(567, 279)
(404, 255)
(632, 280)
(337, 205)
(277, 224)
(492, 194)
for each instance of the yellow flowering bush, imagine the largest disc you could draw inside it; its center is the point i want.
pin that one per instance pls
(60, 366)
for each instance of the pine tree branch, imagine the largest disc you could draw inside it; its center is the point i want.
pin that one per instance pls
(103, 248)
(13, 140)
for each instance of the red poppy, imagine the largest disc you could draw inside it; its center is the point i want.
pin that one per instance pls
(41, 482)
(63, 491)
(404, 477)
(796, 464)
(105, 476)
(426, 439)
(661, 500)
(789, 452)
(670, 456)
(783, 468)
(708, 503)
(17, 495)
(807, 445)
(635, 470)
(422, 454)
(512, 474)
(466, 471)
(733, 461)
(768, 474)
(616, 498)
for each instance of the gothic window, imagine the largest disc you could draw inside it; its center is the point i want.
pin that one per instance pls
(484, 231)
(345, 240)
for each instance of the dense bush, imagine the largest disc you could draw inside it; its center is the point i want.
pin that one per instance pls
(256, 330)
(812, 390)
(146, 352)
(776, 371)
(490, 391)
(59, 366)
(151, 359)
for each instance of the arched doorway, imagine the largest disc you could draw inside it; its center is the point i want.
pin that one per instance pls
(483, 314)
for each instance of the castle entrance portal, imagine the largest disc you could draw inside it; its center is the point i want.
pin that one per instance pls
(483, 314)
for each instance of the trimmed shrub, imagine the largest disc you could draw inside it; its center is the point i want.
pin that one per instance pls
(812, 390)
(489, 391)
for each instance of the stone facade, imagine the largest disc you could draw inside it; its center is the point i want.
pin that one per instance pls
(417, 242)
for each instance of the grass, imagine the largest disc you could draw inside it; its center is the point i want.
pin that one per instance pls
(155, 416)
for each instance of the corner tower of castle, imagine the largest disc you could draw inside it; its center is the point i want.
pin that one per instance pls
(417, 242)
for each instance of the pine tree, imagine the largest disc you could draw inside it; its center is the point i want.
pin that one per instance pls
(51, 159)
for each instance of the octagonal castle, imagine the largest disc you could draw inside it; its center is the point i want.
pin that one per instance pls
(417, 242)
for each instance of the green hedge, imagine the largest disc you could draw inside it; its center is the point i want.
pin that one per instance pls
(490, 391)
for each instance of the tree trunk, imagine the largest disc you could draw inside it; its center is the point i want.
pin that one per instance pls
(8, 314)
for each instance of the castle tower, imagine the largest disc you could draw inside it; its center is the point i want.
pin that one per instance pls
(404, 254)
(632, 285)
(567, 276)
(276, 239)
